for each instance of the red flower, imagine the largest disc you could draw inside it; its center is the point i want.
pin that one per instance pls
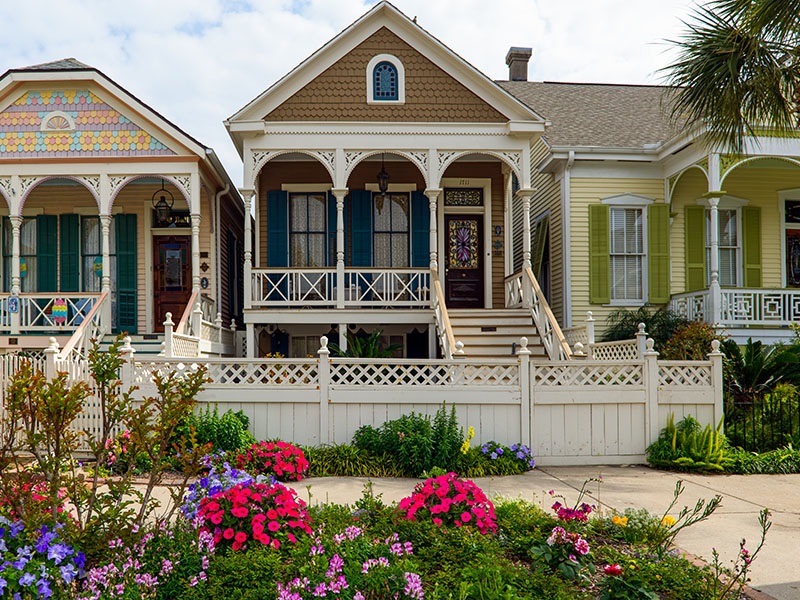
(613, 570)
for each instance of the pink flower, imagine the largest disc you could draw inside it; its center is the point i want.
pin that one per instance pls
(613, 570)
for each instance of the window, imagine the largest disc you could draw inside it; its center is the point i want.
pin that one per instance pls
(385, 80)
(92, 255)
(307, 229)
(28, 258)
(391, 219)
(729, 255)
(627, 253)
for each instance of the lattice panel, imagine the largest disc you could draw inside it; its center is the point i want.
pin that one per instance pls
(585, 375)
(424, 375)
(185, 346)
(683, 375)
(627, 350)
(263, 373)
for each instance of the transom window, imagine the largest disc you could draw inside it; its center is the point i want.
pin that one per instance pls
(627, 253)
(391, 220)
(384, 79)
(307, 229)
(729, 247)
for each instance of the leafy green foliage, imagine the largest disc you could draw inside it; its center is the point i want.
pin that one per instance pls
(769, 423)
(775, 462)
(690, 341)
(365, 347)
(344, 460)
(688, 447)
(447, 438)
(228, 432)
(660, 324)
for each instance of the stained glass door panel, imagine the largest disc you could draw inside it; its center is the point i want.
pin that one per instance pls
(463, 273)
(173, 280)
(793, 258)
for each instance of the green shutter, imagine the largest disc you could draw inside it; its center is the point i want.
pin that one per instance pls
(420, 230)
(361, 227)
(751, 242)
(658, 264)
(47, 253)
(70, 248)
(126, 272)
(539, 239)
(599, 256)
(695, 230)
(277, 228)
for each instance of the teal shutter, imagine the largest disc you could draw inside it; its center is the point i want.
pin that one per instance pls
(361, 227)
(695, 232)
(751, 243)
(331, 230)
(658, 253)
(277, 229)
(420, 230)
(6, 259)
(126, 272)
(599, 255)
(46, 253)
(70, 248)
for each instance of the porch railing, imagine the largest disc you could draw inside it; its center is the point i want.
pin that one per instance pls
(363, 287)
(548, 328)
(45, 312)
(447, 341)
(692, 306)
(93, 327)
(739, 307)
(198, 333)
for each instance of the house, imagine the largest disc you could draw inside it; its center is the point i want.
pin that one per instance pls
(111, 214)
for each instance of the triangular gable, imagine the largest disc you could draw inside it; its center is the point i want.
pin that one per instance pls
(384, 15)
(72, 122)
(431, 94)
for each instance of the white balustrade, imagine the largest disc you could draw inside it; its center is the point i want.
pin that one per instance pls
(293, 287)
(409, 288)
(36, 311)
(692, 306)
(513, 287)
(759, 307)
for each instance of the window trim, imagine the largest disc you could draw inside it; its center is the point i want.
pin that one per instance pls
(401, 79)
(645, 275)
(291, 232)
(739, 248)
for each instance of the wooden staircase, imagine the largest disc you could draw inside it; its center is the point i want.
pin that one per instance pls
(489, 333)
(149, 344)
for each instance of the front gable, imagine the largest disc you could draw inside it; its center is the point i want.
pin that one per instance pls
(340, 92)
(75, 122)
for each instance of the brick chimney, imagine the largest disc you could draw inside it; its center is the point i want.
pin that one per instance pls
(517, 61)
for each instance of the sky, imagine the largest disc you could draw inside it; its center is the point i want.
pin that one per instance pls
(197, 62)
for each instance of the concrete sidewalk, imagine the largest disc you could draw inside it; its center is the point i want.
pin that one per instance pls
(775, 572)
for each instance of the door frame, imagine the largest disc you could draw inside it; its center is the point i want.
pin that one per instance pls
(149, 287)
(783, 196)
(484, 183)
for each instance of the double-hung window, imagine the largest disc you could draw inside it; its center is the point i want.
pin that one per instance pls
(92, 255)
(627, 253)
(391, 227)
(729, 247)
(28, 257)
(307, 229)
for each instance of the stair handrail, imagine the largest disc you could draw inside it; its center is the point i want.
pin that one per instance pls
(183, 324)
(447, 340)
(549, 330)
(91, 326)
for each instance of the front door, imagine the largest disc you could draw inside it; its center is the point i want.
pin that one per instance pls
(793, 258)
(463, 273)
(173, 279)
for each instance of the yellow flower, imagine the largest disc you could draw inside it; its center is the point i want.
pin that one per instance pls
(465, 447)
(619, 521)
(470, 432)
(668, 521)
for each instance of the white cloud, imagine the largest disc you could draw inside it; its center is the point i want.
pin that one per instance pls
(199, 61)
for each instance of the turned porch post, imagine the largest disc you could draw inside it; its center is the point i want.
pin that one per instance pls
(16, 281)
(525, 195)
(714, 290)
(339, 194)
(195, 251)
(247, 195)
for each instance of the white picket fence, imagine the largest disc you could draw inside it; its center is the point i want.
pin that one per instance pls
(570, 412)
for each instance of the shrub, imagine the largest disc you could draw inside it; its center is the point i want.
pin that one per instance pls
(282, 460)
(660, 325)
(272, 515)
(690, 341)
(688, 447)
(228, 432)
(769, 422)
(449, 501)
(344, 460)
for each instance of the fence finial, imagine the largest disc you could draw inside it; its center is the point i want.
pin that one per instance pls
(578, 349)
(53, 345)
(126, 344)
(168, 320)
(523, 346)
(650, 344)
(459, 348)
(323, 346)
(233, 324)
(715, 347)
(641, 327)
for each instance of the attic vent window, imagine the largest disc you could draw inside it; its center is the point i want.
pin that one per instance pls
(57, 121)
(385, 80)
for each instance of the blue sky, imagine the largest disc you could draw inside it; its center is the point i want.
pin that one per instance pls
(199, 61)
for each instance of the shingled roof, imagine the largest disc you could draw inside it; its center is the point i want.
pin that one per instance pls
(65, 64)
(598, 115)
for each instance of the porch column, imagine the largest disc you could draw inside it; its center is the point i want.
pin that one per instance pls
(16, 282)
(339, 194)
(525, 195)
(248, 247)
(715, 309)
(195, 252)
(105, 248)
(433, 199)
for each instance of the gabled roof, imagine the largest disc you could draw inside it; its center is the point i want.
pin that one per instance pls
(384, 14)
(65, 64)
(599, 115)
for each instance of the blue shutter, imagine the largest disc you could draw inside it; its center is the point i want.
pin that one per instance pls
(278, 236)
(361, 223)
(47, 253)
(331, 249)
(420, 230)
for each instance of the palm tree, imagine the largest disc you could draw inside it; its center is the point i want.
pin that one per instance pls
(738, 70)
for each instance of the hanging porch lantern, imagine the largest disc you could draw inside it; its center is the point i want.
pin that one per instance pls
(162, 207)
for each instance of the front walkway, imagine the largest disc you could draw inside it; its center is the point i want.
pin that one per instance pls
(776, 571)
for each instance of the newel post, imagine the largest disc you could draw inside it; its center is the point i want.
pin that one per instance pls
(716, 357)
(641, 340)
(651, 393)
(197, 320)
(50, 356)
(526, 392)
(127, 351)
(218, 327)
(589, 327)
(324, 389)
(168, 329)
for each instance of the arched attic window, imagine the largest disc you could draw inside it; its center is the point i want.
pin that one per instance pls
(386, 80)
(57, 121)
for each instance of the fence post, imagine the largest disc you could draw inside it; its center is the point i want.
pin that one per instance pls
(324, 389)
(589, 328)
(197, 320)
(127, 351)
(168, 329)
(218, 325)
(716, 357)
(526, 391)
(50, 356)
(641, 340)
(651, 392)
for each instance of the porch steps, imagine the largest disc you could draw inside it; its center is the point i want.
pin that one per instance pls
(149, 345)
(488, 333)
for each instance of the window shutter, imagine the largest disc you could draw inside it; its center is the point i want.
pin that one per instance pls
(658, 253)
(751, 243)
(361, 222)
(70, 252)
(420, 230)
(46, 252)
(539, 239)
(331, 230)
(277, 228)
(695, 247)
(126, 272)
(599, 257)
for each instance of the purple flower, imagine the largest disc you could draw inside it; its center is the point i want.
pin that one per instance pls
(27, 579)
